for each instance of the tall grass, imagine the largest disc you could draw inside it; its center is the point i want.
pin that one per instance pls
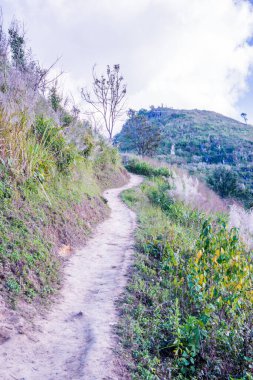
(187, 314)
(197, 195)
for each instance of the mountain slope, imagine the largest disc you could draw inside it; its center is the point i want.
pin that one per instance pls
(199, 140)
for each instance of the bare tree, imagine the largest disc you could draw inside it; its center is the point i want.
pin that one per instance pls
(107, 98)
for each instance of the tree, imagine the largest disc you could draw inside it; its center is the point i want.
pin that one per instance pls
(54, 97)
(244, 116)
(106, 100)
(17, 45)
(143, 135)
(224, 181)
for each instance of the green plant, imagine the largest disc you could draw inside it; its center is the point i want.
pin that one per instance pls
(143, 168)
(188, 310)
(224, 181)
(51, 139)
(13, 286)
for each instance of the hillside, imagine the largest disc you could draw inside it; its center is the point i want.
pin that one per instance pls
(188, 310)
(200, 141)
(53, 171)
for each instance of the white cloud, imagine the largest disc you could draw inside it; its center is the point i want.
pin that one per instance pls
(185, 54)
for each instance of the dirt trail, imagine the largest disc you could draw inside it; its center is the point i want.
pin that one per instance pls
(75, 340)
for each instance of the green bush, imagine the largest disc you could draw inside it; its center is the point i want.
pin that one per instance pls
(106, 156)
(143, 168)
(51, 138)
(157, 193)
(223, 181)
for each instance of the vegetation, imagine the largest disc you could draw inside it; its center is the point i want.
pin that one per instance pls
(187, 314)
(201, 142)
(52, 170)
(224, 181)
(43, 209)
(144, 135)
(143, 168)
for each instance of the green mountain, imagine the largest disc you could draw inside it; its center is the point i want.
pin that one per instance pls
(200, 141)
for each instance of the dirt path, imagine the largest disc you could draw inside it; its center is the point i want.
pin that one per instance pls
(75, 340)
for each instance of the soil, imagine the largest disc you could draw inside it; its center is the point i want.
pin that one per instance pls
(75, 339)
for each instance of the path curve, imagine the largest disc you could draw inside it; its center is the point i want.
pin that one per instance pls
(75, 340)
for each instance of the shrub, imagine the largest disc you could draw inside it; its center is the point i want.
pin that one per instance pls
(106, 156)
(157, 192)
(51, 138)
(224, 181)
(89, 144)
(143, 168)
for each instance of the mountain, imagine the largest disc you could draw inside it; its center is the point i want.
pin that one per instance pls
(200, 141)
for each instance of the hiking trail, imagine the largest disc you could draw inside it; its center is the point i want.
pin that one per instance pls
(75, 340)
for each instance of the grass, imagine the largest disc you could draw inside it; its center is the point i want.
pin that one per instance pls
(53, 169)
(38, 216)
(187, 312)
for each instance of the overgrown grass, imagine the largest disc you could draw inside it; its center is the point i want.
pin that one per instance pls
(55, 203)
(187, 313)
(53, 168)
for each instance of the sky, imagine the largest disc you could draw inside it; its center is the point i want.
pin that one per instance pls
(179, 53)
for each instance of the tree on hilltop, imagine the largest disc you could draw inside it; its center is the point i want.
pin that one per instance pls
(144, 135)
(244, 116)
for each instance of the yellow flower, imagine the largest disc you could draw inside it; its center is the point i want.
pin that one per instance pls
(198, 256)
(250, 295)
(216, 256)
(201, 279)
(238, 287)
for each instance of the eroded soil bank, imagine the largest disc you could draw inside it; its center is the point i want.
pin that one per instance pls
(75, 339)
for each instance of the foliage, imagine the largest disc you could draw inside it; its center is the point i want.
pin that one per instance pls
(201, 140)
(47, 181)
(224, 181)
(143, 168)
(187, 314)
(55, 98)
(17, 44)
(67, 119)
(142, 134)
(89, 144)
(51, 138)
(106, 155)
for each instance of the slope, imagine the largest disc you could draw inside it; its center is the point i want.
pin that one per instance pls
(200, 141)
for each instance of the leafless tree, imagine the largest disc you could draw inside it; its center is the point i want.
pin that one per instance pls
(107, 97)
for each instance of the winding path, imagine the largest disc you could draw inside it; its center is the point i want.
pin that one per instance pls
(76, 340)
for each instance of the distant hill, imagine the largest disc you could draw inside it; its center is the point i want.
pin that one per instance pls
(200, 141)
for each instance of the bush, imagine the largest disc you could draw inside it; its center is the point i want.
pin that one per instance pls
(157, 192)
(51, 138)
(106, 156)
(223, 181)
(143, 168)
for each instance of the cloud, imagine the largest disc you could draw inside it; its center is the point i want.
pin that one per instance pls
(184, 54)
